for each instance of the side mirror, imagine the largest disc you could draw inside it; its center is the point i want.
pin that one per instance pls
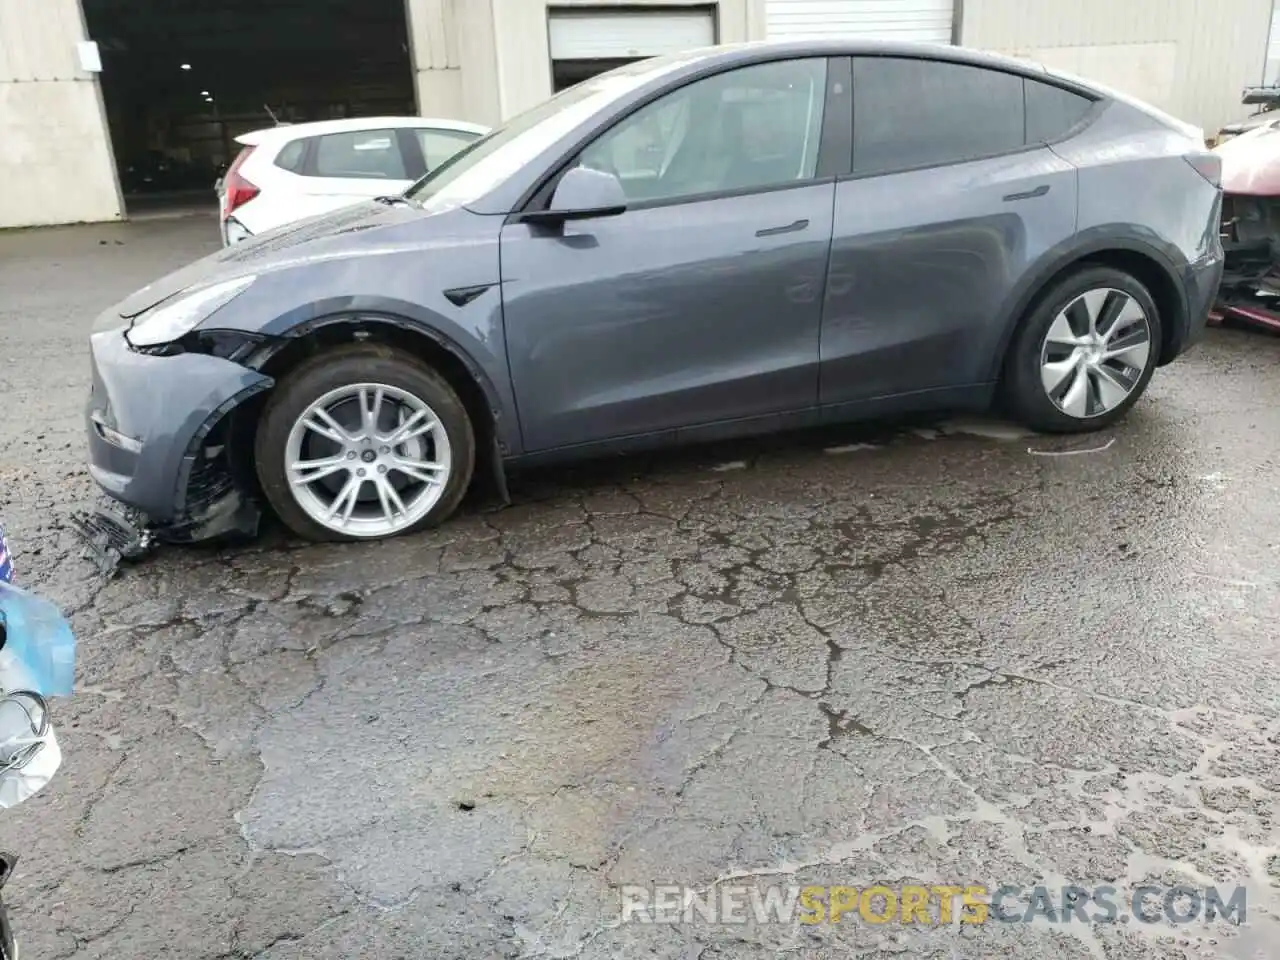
(582, 194)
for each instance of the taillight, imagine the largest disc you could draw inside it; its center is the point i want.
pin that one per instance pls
(1208, 165)
(237, 191)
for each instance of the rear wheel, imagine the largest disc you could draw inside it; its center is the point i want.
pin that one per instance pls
(1084, 354)
(364, 443)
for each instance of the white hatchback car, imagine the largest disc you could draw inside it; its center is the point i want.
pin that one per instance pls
(290, 172)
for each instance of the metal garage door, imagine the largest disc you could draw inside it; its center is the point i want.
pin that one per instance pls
(922, 20)
(639, 33)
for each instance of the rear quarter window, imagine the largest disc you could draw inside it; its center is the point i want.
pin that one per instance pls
(913, 113)
(290, 156)
(1053, 111)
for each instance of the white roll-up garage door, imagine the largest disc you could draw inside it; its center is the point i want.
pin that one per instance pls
(1273, 46)
(927, 21)
(632, 33)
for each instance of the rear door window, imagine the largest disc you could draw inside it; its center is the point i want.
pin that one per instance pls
(913, 113)
(1052, 111)
(360, 155)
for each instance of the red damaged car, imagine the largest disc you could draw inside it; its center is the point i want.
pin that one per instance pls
(1250, 288)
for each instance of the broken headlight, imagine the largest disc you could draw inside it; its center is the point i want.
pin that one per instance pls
(182, 314)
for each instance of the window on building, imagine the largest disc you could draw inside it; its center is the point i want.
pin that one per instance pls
(918, 113)
(750, 128)
(364, 154)
(1052, 111)
(439, 145)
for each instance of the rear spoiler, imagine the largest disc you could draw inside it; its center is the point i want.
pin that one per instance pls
(254, 137)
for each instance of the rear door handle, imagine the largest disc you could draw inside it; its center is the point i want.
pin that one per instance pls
(1039, 191)
(789, 228)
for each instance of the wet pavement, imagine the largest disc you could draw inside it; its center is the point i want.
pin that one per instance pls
(953, 655)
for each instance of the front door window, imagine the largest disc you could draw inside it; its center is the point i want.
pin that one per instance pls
(747, 129)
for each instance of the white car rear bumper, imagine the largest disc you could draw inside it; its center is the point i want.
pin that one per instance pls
(233, 231)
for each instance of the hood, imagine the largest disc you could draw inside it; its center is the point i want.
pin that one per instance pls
(327, 235)
(1251, 162)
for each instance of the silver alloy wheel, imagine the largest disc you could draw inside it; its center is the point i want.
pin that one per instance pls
(1095, 353)
(367, 460)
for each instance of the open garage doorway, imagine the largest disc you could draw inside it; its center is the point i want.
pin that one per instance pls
(183, 78)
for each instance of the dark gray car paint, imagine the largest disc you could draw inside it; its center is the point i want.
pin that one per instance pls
(605, 337)
(162, 401)
(924, 261)
(392, 264)
(665, 317)
(1150, 207)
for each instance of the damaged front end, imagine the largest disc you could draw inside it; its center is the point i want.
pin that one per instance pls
(1250, 290)
(158, 489)
(216, 483)
(215, 499)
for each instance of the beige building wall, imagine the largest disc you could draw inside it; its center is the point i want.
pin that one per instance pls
(481, 60)
(436, 54)
(55, 153)
(1191, 58)
(503, 48)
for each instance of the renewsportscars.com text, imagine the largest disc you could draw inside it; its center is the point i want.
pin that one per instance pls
(937, 905)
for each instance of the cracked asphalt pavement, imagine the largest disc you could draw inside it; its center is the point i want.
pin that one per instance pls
(948, 653)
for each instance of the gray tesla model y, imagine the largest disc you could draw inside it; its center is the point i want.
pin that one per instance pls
(733, 240)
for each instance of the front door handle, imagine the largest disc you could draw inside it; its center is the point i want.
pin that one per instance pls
(789, 228)
(1039, 191)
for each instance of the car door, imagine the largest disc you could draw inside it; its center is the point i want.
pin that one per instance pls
(951, 198)
(345, 168)
(701, 303)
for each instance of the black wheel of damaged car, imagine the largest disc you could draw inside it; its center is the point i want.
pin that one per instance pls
(1084, 353)
(364, 443)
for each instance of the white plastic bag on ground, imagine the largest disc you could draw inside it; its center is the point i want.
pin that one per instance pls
(29, 751)
(17, 785)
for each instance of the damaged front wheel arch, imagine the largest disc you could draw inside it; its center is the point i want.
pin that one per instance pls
(287, 355)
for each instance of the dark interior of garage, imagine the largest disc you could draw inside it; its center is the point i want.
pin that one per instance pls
(568, 73)
(183, 78)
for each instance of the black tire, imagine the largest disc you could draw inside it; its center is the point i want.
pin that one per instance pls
(1022, 393)
(8, 943)
(349, 365)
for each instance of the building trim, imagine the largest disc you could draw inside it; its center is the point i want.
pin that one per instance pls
(100, 98)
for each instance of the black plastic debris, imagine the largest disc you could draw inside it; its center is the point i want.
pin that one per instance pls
(111, 536)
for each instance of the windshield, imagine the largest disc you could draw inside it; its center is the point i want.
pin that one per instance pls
(489, 161)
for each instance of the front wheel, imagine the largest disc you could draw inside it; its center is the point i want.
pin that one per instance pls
(1084, 354)
(364, 443)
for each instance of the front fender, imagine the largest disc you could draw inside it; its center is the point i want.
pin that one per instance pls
(417, 285)
(479, 361)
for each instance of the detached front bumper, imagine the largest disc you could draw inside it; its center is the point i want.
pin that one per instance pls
(148, 420)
